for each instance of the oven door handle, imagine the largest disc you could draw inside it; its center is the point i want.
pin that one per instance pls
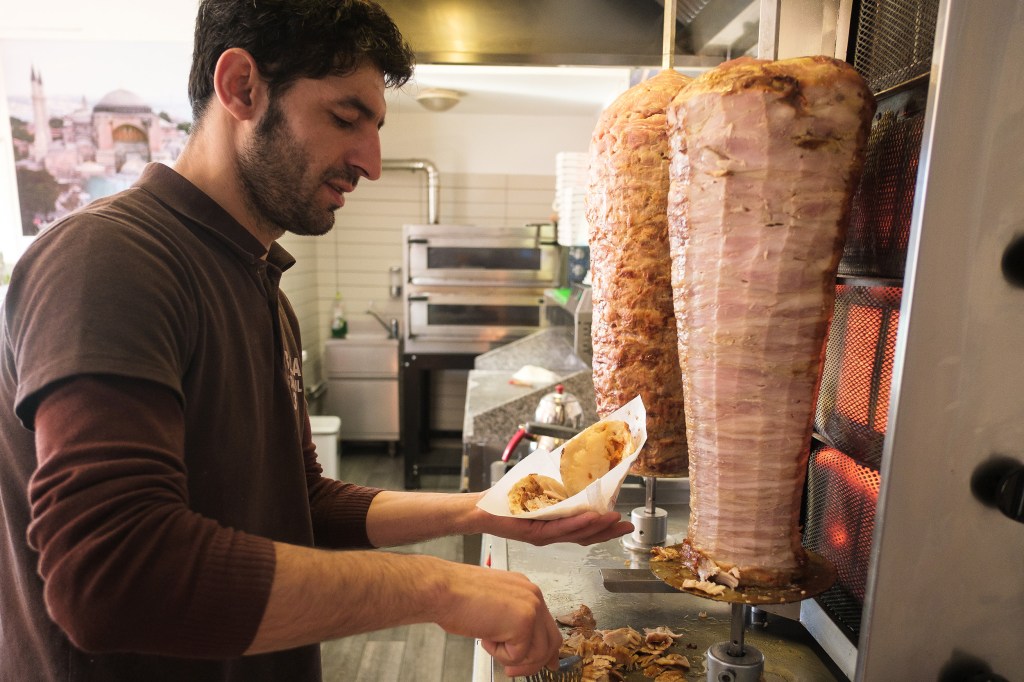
(417, 297)
(416, 240)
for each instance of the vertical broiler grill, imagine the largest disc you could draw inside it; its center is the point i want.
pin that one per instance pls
(918, 427)
(917, 457)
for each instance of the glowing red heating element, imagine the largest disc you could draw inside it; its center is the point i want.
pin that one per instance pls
(847, 494)
(853, 394)
(853, 406)
(865, 375)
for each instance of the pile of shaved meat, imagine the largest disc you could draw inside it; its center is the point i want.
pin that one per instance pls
(608, 655)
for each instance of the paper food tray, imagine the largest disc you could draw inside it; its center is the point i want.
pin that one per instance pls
(599, 496)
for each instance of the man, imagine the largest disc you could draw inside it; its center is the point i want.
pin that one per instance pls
(164, 516)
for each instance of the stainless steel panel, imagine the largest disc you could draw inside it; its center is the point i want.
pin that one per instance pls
(429, 346)
(550, 32)
(506, 264)
(368, 407)
(796, 28)
(362, 387)
(840, 650)
(359, 357)
(532, 234)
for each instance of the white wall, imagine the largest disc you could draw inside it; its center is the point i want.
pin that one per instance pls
(99, 19)
(466, 143)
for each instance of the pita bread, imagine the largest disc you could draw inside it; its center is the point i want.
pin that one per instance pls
(593, 453)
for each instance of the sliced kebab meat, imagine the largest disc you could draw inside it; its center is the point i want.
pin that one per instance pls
(766, 157)
(634, 330)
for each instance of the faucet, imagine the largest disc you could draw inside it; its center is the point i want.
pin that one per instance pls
(391, 326)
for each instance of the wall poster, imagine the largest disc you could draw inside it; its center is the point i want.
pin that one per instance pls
(87, 116)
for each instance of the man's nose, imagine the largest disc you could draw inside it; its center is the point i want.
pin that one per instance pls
(366, 157)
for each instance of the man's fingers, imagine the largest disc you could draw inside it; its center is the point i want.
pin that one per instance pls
(526, 652)
(585, 529)
(523, 660)
(617, 529)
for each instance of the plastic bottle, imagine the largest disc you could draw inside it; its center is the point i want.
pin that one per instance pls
(339, 325)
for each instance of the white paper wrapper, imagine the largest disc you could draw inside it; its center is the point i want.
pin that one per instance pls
(531, 375)
(599, 496)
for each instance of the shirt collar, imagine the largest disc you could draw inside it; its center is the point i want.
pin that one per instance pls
(184, 198)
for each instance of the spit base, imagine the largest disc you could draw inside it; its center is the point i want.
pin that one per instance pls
(819, 575)
(725, 667)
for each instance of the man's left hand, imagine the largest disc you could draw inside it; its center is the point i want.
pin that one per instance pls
(587, 528)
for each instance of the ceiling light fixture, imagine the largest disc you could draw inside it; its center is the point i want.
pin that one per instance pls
(438, 99)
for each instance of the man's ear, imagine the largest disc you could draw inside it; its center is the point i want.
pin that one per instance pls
(238, 84)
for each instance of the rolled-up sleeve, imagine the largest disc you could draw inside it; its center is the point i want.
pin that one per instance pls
(127, 566)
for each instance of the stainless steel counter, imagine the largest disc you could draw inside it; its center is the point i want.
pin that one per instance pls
(571, 575)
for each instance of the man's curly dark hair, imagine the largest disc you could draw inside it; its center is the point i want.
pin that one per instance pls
(292, 39)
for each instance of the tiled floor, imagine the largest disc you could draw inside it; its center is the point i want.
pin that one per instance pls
(412, 653)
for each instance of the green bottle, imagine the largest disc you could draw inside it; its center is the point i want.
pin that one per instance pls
(339, 325)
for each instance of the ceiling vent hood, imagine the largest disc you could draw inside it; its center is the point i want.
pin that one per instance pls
(574, 32)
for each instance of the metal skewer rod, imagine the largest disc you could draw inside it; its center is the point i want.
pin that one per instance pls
(668, 39)
(735, 660)
(739, 622)
(650, 524)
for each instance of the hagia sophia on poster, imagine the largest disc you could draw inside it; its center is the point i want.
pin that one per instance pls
(91, 151)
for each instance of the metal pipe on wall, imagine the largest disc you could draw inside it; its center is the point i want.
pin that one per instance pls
(433, 182)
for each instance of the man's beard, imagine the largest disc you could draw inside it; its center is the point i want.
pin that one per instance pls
(273, 171)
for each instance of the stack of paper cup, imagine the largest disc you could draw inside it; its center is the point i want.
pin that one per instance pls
(570, 193)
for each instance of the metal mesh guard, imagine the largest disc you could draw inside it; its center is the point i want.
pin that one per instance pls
(880, 215)
(895, 39)
(842, 496)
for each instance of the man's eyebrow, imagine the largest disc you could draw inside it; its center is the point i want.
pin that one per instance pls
(358, 104)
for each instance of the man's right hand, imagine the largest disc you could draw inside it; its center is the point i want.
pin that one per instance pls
(506, 612)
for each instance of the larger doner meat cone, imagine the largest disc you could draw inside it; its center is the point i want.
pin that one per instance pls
(634, 337)
(766, 158)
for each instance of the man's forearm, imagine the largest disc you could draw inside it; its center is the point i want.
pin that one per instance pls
(401, 518)
(319, 595)
(397, 518)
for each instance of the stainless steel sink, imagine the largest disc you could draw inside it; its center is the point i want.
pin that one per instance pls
(362, 382)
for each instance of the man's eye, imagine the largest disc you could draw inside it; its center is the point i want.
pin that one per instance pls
(343, 123)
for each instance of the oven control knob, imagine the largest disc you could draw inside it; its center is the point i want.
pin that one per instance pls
(999, 483)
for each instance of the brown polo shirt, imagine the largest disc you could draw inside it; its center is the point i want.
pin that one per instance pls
(147, 338)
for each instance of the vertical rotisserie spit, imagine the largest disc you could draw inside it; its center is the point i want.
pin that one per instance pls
(765, 159)
(634, 334)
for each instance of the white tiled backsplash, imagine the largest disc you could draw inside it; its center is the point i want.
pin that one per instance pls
(366, 241)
